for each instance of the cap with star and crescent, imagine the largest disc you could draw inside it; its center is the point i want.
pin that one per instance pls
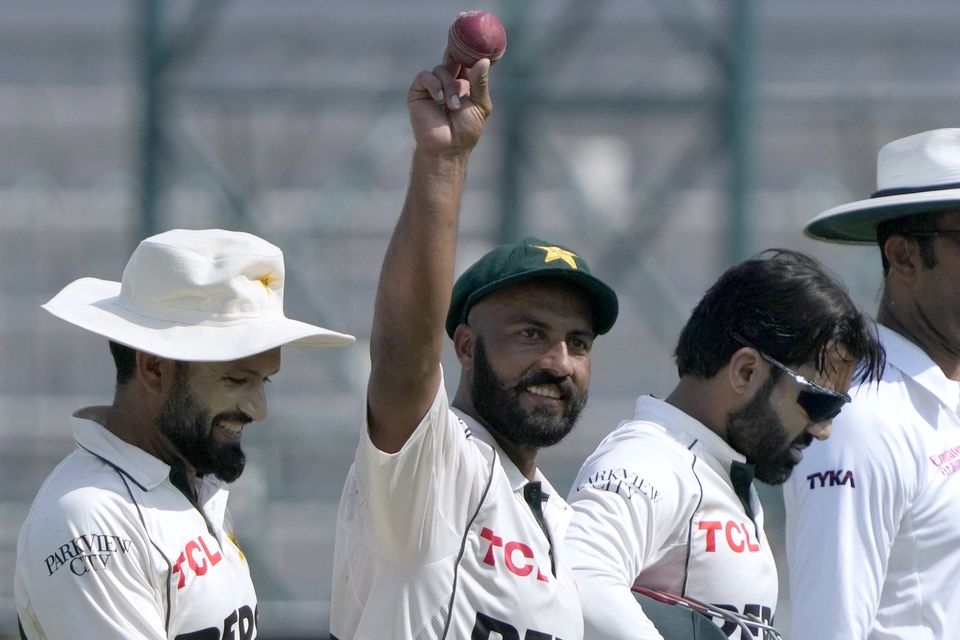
(523, 261)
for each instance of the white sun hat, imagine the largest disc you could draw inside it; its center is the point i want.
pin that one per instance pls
(916, 174)
(193, 295)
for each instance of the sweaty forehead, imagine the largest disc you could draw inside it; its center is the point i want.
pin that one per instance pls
(537, 299)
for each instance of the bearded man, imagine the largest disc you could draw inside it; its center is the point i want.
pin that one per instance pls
(666, 502)
(130, 536)
(446, 527)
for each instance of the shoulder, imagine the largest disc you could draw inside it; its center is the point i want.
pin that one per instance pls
(82, 491)
(638, 458)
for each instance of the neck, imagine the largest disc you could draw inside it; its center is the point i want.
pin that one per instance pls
(911, 322)
(693, 396)
(139, 430)
(524, 457)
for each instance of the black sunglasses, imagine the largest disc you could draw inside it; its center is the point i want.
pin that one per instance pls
(819, 402)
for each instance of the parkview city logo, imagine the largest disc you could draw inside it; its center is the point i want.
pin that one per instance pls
(622, 481)
(87, 552)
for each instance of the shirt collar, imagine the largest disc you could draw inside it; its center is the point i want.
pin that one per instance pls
(687, 430)
(516, 478)
(148, 471)
(916, 364)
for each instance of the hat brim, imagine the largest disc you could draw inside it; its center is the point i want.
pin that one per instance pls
(93, 304)
(856, 222)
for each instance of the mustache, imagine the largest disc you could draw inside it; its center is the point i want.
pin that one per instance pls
(565, 384)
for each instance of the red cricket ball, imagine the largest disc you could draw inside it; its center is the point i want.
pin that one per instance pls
(474, 35)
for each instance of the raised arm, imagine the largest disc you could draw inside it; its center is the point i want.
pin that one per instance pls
(448, 108)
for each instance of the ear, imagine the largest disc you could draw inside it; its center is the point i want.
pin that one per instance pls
(745, 372)
(464, 340)
(903, 254)
(154, 373)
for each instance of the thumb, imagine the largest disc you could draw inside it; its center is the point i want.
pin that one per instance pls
(480, 86)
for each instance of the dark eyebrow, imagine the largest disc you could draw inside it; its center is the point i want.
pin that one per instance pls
(525, 318)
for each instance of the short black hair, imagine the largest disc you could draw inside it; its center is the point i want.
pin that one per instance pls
(786, 304)
(125, 359)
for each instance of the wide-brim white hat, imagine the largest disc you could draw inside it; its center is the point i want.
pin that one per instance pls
(916, 174)
(194, 295)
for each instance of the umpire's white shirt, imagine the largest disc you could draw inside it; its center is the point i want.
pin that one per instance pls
(444, 522)
(655, 507)
(111, 549)
(873, 513)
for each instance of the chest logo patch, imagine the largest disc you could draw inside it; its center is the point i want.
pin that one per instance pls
(199, 560)
(516, 556)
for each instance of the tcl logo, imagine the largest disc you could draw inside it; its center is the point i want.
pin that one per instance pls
(198, 557)
(736, 535)
(516, 556)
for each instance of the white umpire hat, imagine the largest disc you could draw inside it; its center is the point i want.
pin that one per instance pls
(916, 174)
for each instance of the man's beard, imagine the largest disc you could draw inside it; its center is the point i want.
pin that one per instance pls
(499, 405)
(188, 426)
(757, 433)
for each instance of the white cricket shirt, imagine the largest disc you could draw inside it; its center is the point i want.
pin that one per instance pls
(654, 506)
(112, 549)
(444, 521)
(873, 513)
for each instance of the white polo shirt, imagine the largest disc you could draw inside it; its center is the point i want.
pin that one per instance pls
(437, 541)
(112, 549)
(873, 513)
(654, 506)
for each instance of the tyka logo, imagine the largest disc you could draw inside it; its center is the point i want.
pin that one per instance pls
(198, 557)
(517, 556)
(87, 552)
(834, 478)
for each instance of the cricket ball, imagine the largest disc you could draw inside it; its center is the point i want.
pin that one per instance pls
(475, 35)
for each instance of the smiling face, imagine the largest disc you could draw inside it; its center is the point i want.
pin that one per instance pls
(772, 429)
(208, 406)
(530, 364)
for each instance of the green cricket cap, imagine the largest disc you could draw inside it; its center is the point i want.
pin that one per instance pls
(530, 259)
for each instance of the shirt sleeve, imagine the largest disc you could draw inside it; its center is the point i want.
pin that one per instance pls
(623, 518)
(83, 572)
(416, 502)
(844, 504)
